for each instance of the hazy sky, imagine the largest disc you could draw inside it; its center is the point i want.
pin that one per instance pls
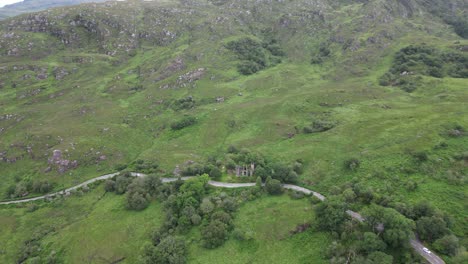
(7, 2)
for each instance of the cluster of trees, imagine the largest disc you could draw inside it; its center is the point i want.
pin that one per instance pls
(139, 191)
(183, 123)
(27, 186)
(432, 226)
(255, 55)
(389, 224)
(186, 205)
(424, 60)
(385, 230)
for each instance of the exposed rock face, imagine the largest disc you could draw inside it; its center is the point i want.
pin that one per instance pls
(60, 163)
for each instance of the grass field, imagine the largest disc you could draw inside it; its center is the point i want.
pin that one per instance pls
(270, 220)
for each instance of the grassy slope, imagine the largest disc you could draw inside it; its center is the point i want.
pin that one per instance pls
(96, 228)
(270, 219)
(95, 109)
(93, 228)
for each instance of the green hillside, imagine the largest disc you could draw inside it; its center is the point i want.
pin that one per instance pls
(367, 97)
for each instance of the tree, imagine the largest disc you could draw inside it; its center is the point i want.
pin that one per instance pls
(229, 204)
(371, 242)
(170, 250)
(397, 228)
(152, 184)
(215, 173)
(258, 183)
(331, 214)
(109, 185)
(121, 183)
(222, 217)
(273, 186)
(378, 257)
(349, 195)
(431, 228)
(214, 234)
(448, 245)
(136, 201)
(423, 209)
(206, 207)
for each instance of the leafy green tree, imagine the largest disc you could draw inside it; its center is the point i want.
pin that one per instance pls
(371, 242)
(214, 234)
(331, 214)
(215, 173)
(152, 183)
(170, 250)
(109, 185)
(273, 186)
(397, 228)
(223, 217)
(136, 201)
(431, 228)
(421, 209)
(349, 195)
(229, 204)
(206, 207)
(121, 183)
(378, 257)
(448, 245)
(258, 183)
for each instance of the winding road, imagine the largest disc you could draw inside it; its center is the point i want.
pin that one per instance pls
(415, 244)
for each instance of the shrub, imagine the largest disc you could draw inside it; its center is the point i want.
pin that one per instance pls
(183, 123)
(215, 173)
(255, 56)
(109, 185)
(41, 187)
(184, 103)
(352, 164)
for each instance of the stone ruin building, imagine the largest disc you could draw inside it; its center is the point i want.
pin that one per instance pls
(245, 170)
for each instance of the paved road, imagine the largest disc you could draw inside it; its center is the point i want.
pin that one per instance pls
(429, 256)
(415, 244)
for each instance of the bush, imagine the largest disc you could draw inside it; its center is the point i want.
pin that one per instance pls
(273, 186)
(352, 164)
(249, 67)
(109, 185)
(255, 56)
(184, 103)
(41, 187)
(183, 123)
(215, 173)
